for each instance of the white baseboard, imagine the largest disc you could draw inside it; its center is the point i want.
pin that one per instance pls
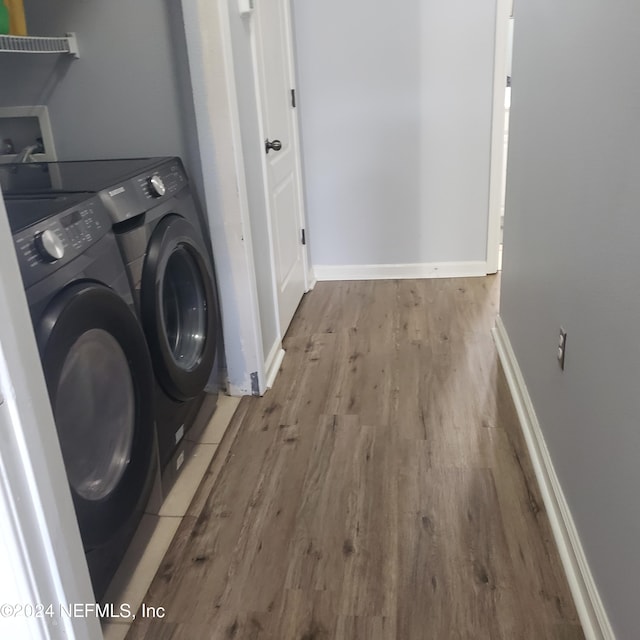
(595, 623)
(311, 279)
(238, 391)
(272, 364)
(400, 271)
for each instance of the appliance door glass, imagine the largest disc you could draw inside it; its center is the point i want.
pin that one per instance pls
(184, 308)
(179, 308)
(95, 414)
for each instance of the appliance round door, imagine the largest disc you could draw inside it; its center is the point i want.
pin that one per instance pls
(100, 383)
(179, 308)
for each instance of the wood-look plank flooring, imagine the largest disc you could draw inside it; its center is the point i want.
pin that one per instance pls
(380, 491)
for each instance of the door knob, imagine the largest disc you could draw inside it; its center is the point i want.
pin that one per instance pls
(276, 145)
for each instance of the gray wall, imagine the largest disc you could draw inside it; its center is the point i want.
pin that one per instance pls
(253, 149)
(572, 241)
(395, 104)
(123, 97)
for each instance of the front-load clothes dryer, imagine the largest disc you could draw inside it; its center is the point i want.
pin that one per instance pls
(163, 239)
(96, 364)
(179, 310)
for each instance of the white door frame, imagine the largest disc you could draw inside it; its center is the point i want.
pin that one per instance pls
(503, 11)
(209, 47)
(308, 280)
(41, 552)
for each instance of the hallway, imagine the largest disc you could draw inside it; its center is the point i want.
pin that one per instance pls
(380, 491)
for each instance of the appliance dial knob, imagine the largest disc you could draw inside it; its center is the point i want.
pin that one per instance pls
(158, 188)
(49, 245)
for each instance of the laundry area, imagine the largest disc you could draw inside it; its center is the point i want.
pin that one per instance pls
(102, 185)
(115, 257)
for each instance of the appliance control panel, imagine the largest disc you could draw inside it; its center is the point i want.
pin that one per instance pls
(139, 194)
(165, 181)
(49, 244)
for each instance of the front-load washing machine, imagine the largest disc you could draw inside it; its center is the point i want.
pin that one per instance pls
(96, 364)
(163, 239)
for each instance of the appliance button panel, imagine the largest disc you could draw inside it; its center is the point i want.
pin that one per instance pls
(82, 227)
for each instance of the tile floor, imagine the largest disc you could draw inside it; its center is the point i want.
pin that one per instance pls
(156, 531)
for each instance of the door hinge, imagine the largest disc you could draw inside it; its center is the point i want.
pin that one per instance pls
(255, 384)
(293, 98)
(304, 238)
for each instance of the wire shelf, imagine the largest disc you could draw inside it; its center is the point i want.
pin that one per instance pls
(39, 44)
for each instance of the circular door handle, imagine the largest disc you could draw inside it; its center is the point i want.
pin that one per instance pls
(276, 145)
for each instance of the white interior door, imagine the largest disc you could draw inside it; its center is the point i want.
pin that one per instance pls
(282, 160)
(497, 180)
